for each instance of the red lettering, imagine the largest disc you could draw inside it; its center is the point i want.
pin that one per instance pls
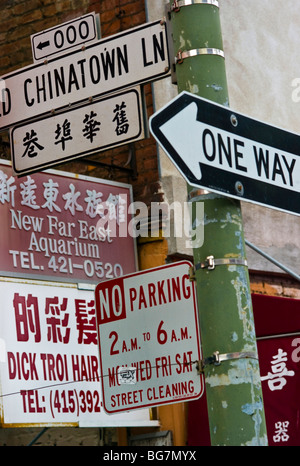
(186, 289)
(142, 298)
(110, 301)
(151, 290)
(54, 367)
(85, 367)
(132, 296)
(22, 366)
(161, 293)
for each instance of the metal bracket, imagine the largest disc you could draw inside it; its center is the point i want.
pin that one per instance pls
(177, 4)
(192, 277)
(218, 358)
(210, 262)
(194, 52)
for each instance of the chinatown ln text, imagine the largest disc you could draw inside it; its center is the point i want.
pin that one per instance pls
(63, 81)
(98, 71)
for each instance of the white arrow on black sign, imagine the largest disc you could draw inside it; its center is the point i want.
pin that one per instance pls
(64, 37)
(226, 152)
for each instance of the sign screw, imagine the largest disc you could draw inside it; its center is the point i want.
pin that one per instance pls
(239, 188)
(234, 120)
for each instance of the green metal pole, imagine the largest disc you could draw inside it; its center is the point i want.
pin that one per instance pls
(233, 388)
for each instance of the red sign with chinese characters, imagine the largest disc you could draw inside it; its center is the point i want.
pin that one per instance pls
(277, 325)
(58, 226)
(280, 377)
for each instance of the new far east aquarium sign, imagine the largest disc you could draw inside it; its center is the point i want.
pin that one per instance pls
(64, 227)
(218, 149)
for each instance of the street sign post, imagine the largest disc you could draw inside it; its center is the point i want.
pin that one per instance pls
(64, 37)
(229, 153)
(148, 338)
(124, 60)
(77, 132)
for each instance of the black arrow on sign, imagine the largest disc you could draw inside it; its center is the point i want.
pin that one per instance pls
(42, 45)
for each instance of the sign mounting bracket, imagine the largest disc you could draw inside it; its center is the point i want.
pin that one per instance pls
(218, 358)
(210, 263)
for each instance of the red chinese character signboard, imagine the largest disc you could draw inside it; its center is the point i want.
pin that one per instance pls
(49, 364)
(277, 325)
(279, 366)
(58, 226)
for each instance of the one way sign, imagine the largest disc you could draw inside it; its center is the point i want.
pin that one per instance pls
(229, 153)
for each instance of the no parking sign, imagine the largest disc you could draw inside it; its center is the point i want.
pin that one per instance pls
(148, 335)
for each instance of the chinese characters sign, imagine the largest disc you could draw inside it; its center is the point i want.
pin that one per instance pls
(124, 60)
(280, 376)
(149, 339)
(277, 326)
(49, 365)
(60, 227)
(77, 132)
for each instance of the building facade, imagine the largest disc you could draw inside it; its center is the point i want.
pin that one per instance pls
(260, 46)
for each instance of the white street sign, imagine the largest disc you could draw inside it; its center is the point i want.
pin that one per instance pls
(129, 58)
(64, 37)
(148, 336)
(78, 132)
(223, 151)
(49, 364)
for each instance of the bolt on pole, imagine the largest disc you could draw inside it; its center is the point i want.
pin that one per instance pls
(231, 369)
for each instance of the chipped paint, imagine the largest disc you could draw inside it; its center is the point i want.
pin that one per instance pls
(234, 337)
(244, 306)
(193, 88)
(240, 372)
(215, 87)
(254, 410)
(182, 41)
(258, 441)
(231, 219)
(208, 220)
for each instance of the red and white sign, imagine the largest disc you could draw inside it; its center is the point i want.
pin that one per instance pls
(279, 366)
(148, 339)
(277, 326)
(49, 361)
(58, 226)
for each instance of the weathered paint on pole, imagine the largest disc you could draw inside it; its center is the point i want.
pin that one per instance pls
(233, 388)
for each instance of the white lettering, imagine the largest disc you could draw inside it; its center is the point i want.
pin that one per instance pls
(25, 222)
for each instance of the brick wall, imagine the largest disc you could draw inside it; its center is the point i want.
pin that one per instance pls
(274, 284)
